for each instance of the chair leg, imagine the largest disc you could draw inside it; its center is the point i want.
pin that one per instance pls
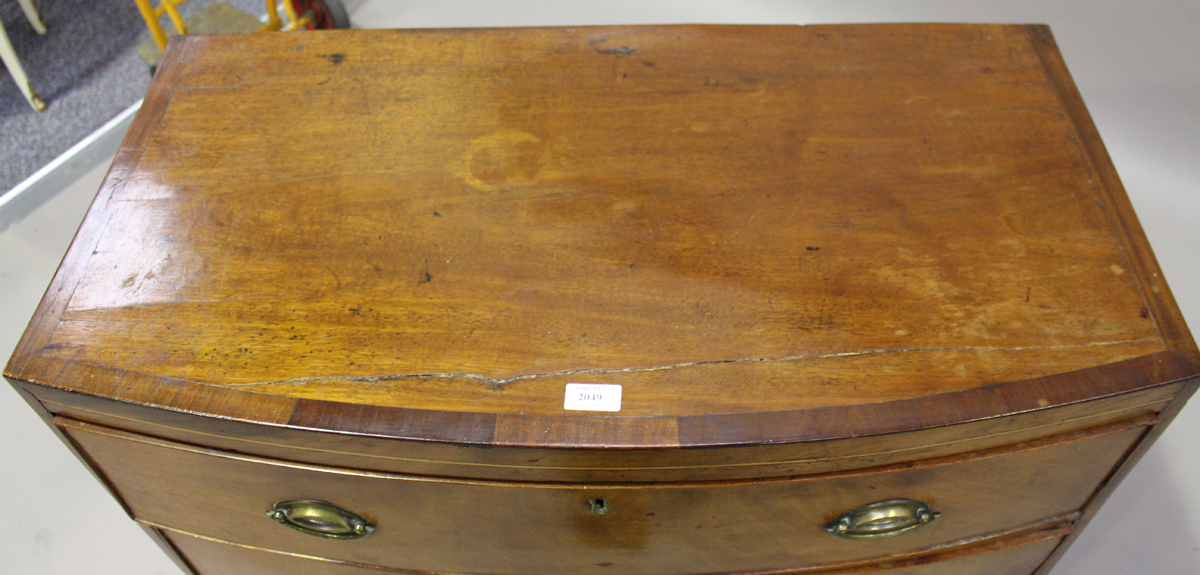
(18, 73)
(32, 15)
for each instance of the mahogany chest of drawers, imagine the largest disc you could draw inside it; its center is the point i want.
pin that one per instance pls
(630, 300)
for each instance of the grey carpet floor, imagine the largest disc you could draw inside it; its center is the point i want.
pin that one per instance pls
(85, 67)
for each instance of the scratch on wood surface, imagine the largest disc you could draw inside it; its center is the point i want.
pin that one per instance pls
(1054, 234)
(218, 86)
(122, 371)
(622, 51)
(499, 382)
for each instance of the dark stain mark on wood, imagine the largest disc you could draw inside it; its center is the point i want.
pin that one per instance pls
(437, 215)
(1027, 292)
(425, 277)
(813, 249)
(334, 58)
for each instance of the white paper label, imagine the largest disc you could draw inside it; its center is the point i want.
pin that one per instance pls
(593, 397)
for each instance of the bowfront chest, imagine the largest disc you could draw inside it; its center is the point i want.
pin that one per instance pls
(617, 300)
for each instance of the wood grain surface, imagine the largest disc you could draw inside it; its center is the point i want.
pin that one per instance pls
(765, 234)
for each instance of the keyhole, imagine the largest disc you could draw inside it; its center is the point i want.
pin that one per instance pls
(599, 505)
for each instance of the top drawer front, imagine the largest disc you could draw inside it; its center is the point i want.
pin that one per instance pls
(446, 525)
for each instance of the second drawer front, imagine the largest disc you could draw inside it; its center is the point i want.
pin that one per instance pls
(437, 525)
(213, 558)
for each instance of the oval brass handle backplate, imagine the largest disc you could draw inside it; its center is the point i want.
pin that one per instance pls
(320, 519)
(882, 519)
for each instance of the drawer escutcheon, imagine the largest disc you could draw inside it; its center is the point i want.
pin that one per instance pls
(320, 519)
(882, 519)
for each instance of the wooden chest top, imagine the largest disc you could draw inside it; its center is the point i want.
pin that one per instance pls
(763, 233)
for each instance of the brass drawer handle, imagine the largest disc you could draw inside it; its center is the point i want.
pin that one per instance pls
(882, 519)
(320, 519)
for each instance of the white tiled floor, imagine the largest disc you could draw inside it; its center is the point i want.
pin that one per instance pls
(1137, 64)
